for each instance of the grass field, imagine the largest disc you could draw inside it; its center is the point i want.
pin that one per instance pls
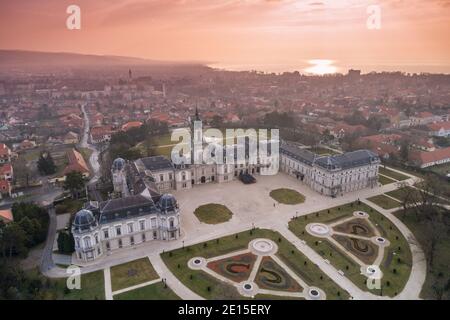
(92, 287)
(385, 180)
(213, 213)
(132, 273)
(393, 281)
(393, 174)
(287, 196)
(155, 291)
(211, 288)
(385, 202)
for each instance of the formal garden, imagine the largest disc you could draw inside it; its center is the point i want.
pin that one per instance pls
(218, 269)
(287, 196)
(353, 236)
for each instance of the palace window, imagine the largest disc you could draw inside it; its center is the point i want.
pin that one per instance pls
(87, 242)
(132, 240)
(143, 237)
(118, 231)
(161, 177)
(108, 246)
(106, 233)
(155, 235)
(130, 228)
(120, 243)
(142, 225)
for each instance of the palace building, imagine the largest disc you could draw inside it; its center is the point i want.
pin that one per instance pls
(142, 209)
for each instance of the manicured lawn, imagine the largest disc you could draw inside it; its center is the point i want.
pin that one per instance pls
(393, 174)
(385, 202)
(155, 291)
(92, 287)
(211, 288)
(213, 213)
(287, 196)
(438, 274)
(132, 273)
(401, 193)
(393, 281)
(385, 180)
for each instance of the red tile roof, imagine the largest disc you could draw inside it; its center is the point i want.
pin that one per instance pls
(440, 125)
(431, 157)
(6, 215)
(132, 124)
(4, 150)
(5, 169)
(76, 162)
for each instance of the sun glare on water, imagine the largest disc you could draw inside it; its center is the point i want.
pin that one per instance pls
(321, 67)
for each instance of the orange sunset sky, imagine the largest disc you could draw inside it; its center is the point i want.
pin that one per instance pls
(269, 35)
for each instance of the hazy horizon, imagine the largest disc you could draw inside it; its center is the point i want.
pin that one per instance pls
(264, 35)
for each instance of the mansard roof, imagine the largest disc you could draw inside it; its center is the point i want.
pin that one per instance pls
(302, 155)
(337, 162)
(156, 163)
(348, 160)
(125, 208)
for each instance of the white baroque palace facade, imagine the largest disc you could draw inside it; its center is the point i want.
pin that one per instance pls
(142, 208)
(331, 175)
(125, 222)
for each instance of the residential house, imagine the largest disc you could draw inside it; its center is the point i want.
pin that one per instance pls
(76, 163)
(5, 153)
(439, 129)
(71, 138)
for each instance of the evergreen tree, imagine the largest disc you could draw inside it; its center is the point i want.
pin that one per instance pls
(46, 165)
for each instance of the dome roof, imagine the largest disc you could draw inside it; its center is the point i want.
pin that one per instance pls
(167, 202)
(84, 221)
(118, 164)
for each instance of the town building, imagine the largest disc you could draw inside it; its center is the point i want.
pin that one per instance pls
(5, 153)
(76, 163)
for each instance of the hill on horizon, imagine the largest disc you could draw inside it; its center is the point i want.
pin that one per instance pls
(23, 58)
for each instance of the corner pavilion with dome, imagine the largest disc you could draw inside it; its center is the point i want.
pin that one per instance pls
(102, 227)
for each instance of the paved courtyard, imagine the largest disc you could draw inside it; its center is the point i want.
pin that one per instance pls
(249, 203)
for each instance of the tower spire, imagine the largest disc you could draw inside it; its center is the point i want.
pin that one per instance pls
(197, 116)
